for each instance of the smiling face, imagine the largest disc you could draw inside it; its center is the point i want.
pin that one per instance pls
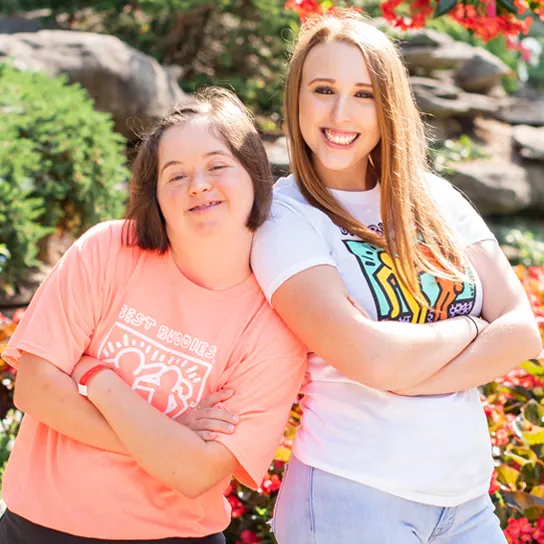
(202, 189)
(337, 113)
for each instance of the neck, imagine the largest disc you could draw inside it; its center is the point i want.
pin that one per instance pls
(358, 177)
(214, 263)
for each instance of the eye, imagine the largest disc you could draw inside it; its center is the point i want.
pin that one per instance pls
(323, 90)
(364, 94)
(218, 167)
(178, 177)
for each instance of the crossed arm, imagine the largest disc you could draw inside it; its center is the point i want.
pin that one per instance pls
(115, 419)
(413, 359)
(511, 337)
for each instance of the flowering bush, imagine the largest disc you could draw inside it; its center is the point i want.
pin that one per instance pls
(514, 406)
(485, 18)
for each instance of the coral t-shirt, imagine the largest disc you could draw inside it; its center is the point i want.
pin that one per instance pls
(175, 343)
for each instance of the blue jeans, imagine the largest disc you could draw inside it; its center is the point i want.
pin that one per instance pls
(316, 507)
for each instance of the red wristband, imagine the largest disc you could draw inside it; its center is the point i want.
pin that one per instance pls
(86, 378)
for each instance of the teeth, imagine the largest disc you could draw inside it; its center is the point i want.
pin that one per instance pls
(204, 206)
(339, 139)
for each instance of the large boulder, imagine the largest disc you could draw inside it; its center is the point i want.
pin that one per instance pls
(535, 176)
(430, 58)
(523, 111)
(429, 50)
(530, 141)
(482, 73)
(133, 87)
(495, 186)
(443, 102)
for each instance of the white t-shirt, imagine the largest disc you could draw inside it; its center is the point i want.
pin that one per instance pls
(433, 449)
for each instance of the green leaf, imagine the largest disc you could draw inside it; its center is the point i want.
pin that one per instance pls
(520, 393)
(538, 491)
(443, 7)
(533, 368)
(507, 475)
(532, 473)
(522, 501)
(534, 438)
(534, 413)
(521, 461)
(509, 5)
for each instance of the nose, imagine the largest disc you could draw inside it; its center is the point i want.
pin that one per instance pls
(341, 110)
(199, 183)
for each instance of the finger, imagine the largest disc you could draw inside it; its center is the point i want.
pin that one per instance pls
(214, 425)
(219, 396)
(206, 435)
(217, 413)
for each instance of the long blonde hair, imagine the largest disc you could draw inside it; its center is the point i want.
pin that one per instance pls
(415, 234)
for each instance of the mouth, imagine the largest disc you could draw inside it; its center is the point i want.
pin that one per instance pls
(339, 138)
(206, 206)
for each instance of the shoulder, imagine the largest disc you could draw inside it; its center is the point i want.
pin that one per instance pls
(287, 187)
(268, 337)
(103, 253)
(102, 236)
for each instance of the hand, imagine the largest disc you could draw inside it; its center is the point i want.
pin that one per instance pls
(209, 417)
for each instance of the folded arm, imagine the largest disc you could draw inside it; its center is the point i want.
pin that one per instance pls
(50, 396)
(165, 449)
(385, 355)
(511, 337)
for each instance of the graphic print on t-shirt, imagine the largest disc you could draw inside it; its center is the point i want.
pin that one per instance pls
(168, 377)
(394, 302)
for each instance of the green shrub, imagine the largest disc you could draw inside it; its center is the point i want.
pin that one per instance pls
(61, 165)
(444, 155)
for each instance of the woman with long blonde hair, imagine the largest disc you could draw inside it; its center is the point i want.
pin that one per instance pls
(403, 297)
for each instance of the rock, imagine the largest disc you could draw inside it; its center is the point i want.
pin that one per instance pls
(29, 22)
(425, 37)
(482, 73)
(278, 155)
(494, 186)
(439, 107)
(530, 141)
(25, 289)
(442, 129)
(451, 55)
(480, 104)
(523, 111)
(535, 177)
(133, 87)
(442, 89)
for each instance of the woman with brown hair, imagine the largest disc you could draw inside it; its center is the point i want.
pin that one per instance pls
(383, 270)
(165, 311)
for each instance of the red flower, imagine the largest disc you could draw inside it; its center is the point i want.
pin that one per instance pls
(519, 531)
(494, 486)
(238, 509)
(305, 8)
(248, 537)
(270, 483)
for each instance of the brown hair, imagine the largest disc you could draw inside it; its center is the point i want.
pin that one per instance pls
(232, 121)
(399, 161)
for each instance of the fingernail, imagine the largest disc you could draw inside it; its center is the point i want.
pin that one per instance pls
(230, 427)
(235, 419)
